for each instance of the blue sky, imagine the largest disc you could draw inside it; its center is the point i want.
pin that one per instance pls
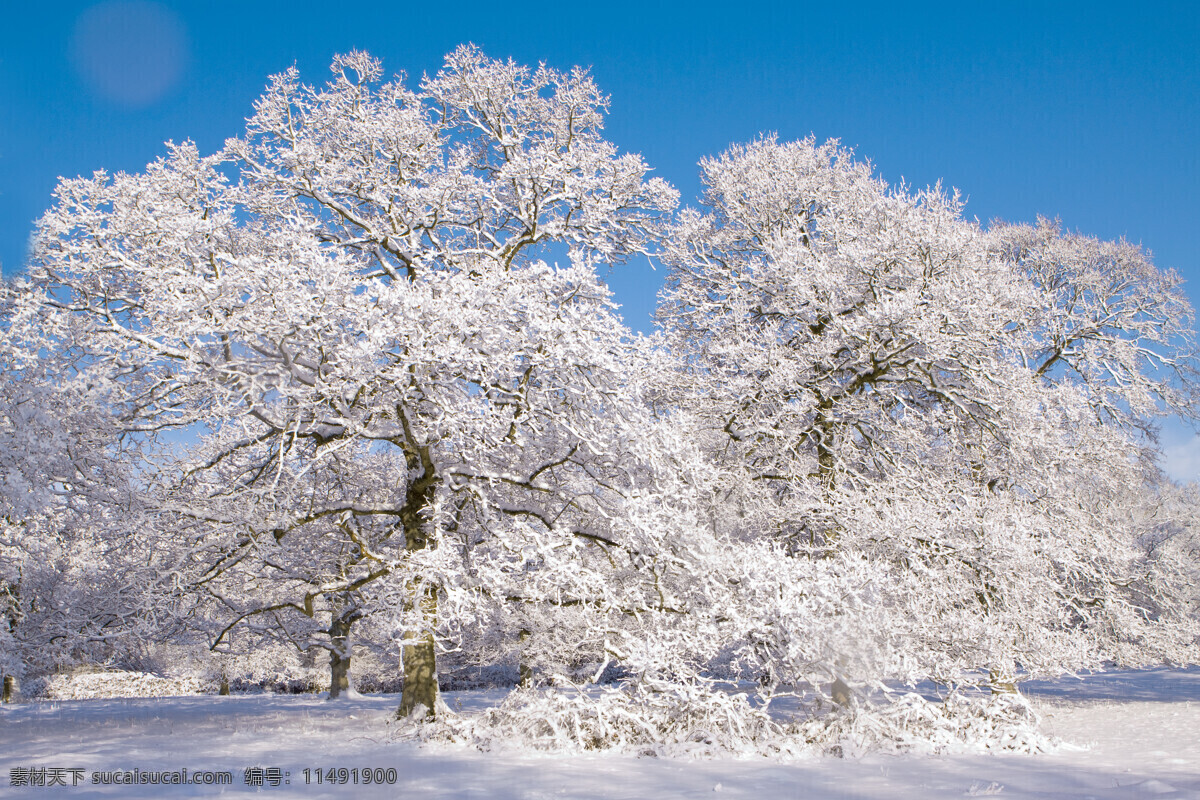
(1089, 112)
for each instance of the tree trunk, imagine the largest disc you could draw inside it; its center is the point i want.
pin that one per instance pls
(1001, 682)
(418, 653)
(841, 692)
(824, 428)
(825, 458)
(339, 655)
(418, 656)
(10, 689)
(524, 671)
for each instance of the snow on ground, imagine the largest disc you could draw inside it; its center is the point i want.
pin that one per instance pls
(1142, 731)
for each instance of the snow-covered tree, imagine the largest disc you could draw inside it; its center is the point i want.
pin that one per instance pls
(877, 379)
(1106, 321)
(1169, 524)
(351, 304)
(83, 577)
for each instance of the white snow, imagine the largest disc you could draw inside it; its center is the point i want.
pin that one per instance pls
(1134, 734)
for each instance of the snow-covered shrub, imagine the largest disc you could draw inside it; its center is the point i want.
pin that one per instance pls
(89, 685)
(911, 723)
(701, 720)
(646, 719)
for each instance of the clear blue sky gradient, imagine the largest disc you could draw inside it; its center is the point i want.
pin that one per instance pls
(1089, 112)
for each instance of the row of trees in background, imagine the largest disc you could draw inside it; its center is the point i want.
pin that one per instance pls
(356, 374)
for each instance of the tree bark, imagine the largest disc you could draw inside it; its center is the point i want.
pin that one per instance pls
(339, 655)
(524, 671)
(824, 428)
(418, 653)
(1001, 683)
(840, 692)
(10, 689)
(418, 656)
(823, 424)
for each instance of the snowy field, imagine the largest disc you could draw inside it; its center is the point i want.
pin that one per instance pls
(1137, 736)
